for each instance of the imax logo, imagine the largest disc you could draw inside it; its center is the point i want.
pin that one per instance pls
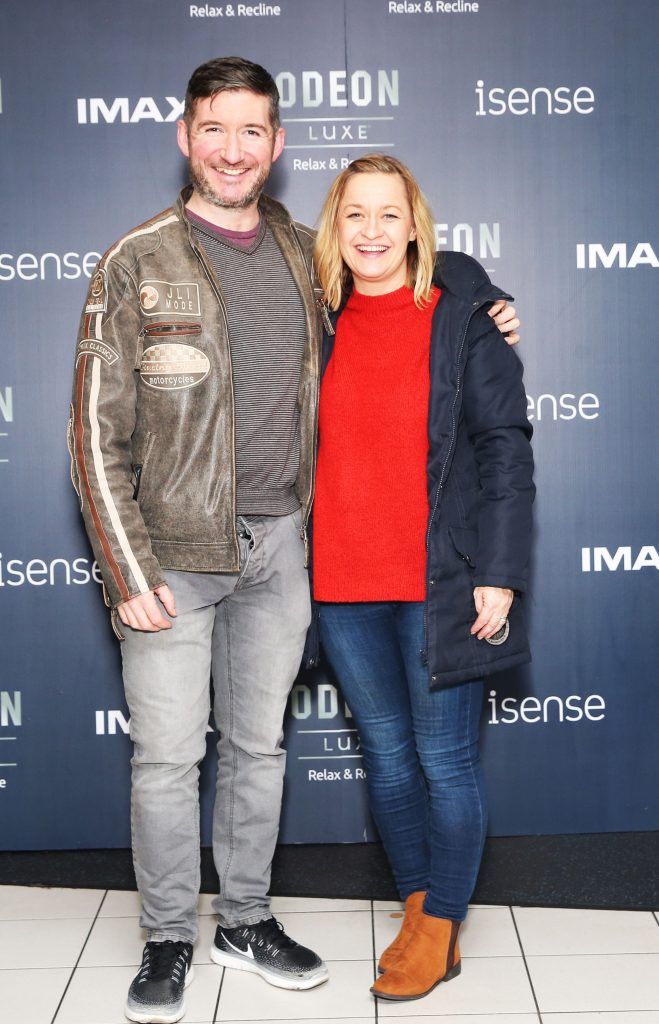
(114, 722)
(597, 559)
(10, 708)
(108, 723)
(596, 255)
(337, 89)
(96, 110)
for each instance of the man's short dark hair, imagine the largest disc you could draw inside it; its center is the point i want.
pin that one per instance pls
(225, 73)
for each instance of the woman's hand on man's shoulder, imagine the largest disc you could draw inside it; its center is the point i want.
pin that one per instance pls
(505, 317)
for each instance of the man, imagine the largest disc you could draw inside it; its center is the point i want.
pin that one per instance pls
(193, 430)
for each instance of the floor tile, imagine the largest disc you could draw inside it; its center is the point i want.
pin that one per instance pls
(471, 1018)
(31, 997)
(622, 982)
(625, 1017)
(487, 986)
(51, 943)
(334, 936)
(118, 903)
(114, 942)
(119, 941)
(308, 905)
(32, 902)
(248, 997)
(545, 932)
(486, 932)
(97, 995)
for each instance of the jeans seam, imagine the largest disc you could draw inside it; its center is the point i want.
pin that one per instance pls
(477, 789)
(225, 873)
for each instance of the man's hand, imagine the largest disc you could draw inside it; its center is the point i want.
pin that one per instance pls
(492, 605)
(506, 320)
(143, 611)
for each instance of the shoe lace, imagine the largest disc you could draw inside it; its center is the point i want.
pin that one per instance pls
(163, 960)
(270, 935)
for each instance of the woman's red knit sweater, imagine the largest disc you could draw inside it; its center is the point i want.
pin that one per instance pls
(371, 504)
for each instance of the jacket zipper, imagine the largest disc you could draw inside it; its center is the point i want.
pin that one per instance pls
(220, 300)
(165, 330)
(314, 445)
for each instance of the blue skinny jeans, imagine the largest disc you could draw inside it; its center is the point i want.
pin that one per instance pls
(420, 750)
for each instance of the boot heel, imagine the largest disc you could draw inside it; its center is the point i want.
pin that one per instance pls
(453, 973)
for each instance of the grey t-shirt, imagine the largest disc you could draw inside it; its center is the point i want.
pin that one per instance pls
(267, 335)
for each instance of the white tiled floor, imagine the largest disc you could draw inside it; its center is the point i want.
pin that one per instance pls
(67, 956)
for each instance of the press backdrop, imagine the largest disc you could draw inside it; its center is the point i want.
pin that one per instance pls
(531, 126)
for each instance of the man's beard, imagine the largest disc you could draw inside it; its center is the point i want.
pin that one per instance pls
(203, 189)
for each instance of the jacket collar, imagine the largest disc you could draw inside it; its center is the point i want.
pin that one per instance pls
(276, 215)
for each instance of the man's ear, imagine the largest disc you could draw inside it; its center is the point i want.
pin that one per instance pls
(278, 144)
(182, 137)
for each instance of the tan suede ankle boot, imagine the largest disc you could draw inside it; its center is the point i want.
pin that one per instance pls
(413, 907)
(431, 955)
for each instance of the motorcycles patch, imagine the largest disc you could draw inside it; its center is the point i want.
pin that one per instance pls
(170, 367)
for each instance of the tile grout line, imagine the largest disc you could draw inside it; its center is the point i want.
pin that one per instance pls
(75, 966)
(219, 993)
(526, 966)
(374, 959)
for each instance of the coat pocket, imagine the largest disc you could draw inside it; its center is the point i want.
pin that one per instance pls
(465, 542)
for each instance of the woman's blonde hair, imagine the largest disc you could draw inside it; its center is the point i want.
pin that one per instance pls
(334, 274)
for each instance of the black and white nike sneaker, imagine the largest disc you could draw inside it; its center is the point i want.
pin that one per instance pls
(266, 949)
(156, 992)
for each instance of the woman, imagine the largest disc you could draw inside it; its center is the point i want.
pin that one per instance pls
(422, 523)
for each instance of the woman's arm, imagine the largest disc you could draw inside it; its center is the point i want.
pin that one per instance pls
(494, 406)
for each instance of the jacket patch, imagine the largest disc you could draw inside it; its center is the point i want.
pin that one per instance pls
(170, 367)
(97, 300)
(93, 347)
(158, 297)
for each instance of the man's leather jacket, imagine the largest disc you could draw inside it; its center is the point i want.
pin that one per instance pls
(151, 432)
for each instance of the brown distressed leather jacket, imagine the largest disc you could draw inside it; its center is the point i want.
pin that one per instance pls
(151, 432)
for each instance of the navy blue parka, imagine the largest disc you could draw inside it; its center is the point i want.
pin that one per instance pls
(480, 470)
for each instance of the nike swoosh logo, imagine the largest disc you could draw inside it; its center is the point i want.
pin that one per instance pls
(243, 952)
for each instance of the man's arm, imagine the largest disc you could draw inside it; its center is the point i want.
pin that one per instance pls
(103, 416)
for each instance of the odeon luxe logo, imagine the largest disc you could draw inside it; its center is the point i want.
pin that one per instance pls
(337, 88)
(10, 709)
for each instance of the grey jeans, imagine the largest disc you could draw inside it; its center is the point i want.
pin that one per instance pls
(248, 630)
